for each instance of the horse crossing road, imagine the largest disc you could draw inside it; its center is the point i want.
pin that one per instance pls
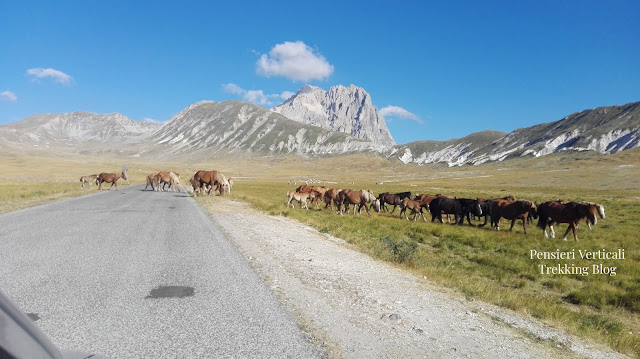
(140, 274)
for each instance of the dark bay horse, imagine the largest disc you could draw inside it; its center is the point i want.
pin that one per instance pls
(111, 178)
(553, 212)
(513, 211)
(393, 199)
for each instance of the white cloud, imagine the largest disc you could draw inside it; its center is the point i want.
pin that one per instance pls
(286, 95)
(258, 97)
(8, 96)
(294, 60)
(254, 96)
(400, 113)
(57, 76)
(234, 89)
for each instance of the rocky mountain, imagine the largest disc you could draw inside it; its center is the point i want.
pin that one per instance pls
(242, 127)
(605, 129)
(341, 109)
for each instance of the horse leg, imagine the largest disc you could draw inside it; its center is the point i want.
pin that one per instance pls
(513, 222)
(524, 224)
(366, 207)
(564, 238)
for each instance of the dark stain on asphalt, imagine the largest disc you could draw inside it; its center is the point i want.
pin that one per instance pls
(33, 316)
(171, 291)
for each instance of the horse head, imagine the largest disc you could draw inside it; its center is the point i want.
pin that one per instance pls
(592, 213)
(533, 211)
(477, 208)
(600, 210)
(376, 205)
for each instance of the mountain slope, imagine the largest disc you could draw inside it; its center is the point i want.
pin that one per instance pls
(605, 129)
(342, 109)
(456, 151)
(237, 126)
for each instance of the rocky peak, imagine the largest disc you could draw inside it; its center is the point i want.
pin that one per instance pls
(341, 109)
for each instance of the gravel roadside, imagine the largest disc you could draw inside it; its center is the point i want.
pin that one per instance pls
(353, 306)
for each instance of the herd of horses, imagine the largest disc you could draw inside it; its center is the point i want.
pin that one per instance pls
(158, 181)
(493, 210)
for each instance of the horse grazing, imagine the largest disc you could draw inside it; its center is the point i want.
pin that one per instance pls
(513, 211)
(210, 179)
(414, 206)
(393, 199)
(553, 212)
(599, 209)
(302, 198)
(88, 179)
(111, 178)
(459, 207)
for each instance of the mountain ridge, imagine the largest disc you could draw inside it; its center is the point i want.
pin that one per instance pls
(242, 128)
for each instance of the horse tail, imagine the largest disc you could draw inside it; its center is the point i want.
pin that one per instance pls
(542, 218)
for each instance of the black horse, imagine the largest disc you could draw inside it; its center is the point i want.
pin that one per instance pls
(459, 207)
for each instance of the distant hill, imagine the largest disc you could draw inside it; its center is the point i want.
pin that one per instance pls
(71, 129)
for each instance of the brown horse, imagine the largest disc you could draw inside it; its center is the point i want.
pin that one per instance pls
(362, 198)
(553, 212)
(88, 179)
(209, 179)
(599, 210)
(513, 211)
(150, 181)
(161, 179)
(111, 178)
(414, 206)
(331, 195)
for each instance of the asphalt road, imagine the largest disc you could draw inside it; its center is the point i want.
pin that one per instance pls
(141, 274)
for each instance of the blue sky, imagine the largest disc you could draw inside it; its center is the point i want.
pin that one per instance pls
(436, 70)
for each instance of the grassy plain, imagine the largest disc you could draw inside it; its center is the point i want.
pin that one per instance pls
(481, 264)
